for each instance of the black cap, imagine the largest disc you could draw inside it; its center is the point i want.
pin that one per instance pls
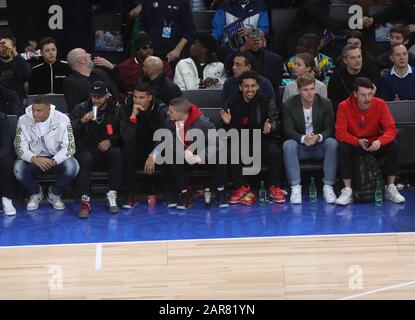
(207, 41)
(143, 39)
(99, 89)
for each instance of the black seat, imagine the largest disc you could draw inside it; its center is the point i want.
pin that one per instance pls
(281, 20)
(204, 98)
(340, 11)
(403, 112)
(56, 99)
(12, 120)
(203, 20)
(213, 115)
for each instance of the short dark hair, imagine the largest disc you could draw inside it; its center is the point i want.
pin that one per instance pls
(362, 82)
(180, 104)
(249, 57)
(248, 75)
(46, 41)
(41, 99)
(402, 29)
(144, 87)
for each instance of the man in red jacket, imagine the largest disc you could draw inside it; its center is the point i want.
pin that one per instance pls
(365, 124)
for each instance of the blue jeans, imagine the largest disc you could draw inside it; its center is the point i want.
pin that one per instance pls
(294, 151)
(26, 172)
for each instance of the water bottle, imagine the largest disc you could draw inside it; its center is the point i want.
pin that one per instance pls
(378, 194)
(312, 191)
(263, 198)
(208, 198)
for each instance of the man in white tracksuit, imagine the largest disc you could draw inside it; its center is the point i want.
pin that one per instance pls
(201, 70)
(44, 143)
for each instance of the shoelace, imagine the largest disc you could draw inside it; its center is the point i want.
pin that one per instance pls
(85, 205)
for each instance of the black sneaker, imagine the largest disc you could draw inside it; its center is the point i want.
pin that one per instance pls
(184, 200)
(221, 199)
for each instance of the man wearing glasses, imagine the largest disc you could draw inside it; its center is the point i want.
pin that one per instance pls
(364, 124)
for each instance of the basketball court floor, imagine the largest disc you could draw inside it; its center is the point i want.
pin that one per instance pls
(308, 251)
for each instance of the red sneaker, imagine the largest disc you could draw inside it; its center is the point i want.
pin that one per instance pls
(277, 194)
(239, 193)
(85, 207)
(248, 200)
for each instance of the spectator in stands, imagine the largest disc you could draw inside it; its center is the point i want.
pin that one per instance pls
(44, 143)
(308, 122)
(9, 101)
(6, 166)
(182, 117)
(398, 34)
(250, 109)
(78, 85)
(304, 63)
(399, 82)
(364, 124)
(170, 26)
(99, 140)
(48, 75)
(14, 70)
(145, 115)
(310, 43)
(266, 63)
(163, 88)
(201, 70)
(131, 69)
(341, 83)
(242, 62)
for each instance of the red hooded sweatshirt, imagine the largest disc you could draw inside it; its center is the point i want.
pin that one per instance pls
(372, 124)
(194, 114)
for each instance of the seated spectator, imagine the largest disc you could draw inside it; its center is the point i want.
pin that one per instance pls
(201, 70)
(9, 101)
(304, 63)
(253, 12)
(48, 75)
(341, 83)
(78, 85)
(250, 109)
(242, 62)
(310, 43)
(364, 124)
(266, 63)
(398, 34)
(163, 88)
(146, 115)
(182, 117)
(44, 143)
(14, 70)
(131, 69)
(98, 139)
(308, 123)
(399, 83)
(6, 167)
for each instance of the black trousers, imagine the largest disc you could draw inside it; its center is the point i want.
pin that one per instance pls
(88, 159)
(271, 155)
(7, 179)
(390, 153)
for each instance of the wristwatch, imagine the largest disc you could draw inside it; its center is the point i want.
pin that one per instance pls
(54, 162)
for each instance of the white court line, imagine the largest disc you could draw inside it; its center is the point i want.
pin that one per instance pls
(379, 290)
(98, 257)
(214, 239)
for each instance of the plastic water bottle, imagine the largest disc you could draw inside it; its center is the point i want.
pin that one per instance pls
(208, 198)
(378, 194)
(263, 198)
(312, 191)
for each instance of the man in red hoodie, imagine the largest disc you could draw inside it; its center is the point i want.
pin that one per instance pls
(365, 124)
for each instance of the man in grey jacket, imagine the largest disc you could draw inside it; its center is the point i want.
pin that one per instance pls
(44, 143)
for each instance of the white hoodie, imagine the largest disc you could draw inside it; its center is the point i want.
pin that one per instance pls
(58, 139)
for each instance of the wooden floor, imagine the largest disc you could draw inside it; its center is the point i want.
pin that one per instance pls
(331, 267)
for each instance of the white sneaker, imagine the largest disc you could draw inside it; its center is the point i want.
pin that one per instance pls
(8, 208)
(34, 200)
(328, 194)
(112, 202)
(55, 200)
(392, 194)
(345, 197)
(295, 197)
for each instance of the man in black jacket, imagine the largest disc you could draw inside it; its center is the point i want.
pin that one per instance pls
(98, 137)
(163, 88)
(6, 167)
(9, 101)
(48, 74)
(145, 115)
(251, 110)
(78, 85)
